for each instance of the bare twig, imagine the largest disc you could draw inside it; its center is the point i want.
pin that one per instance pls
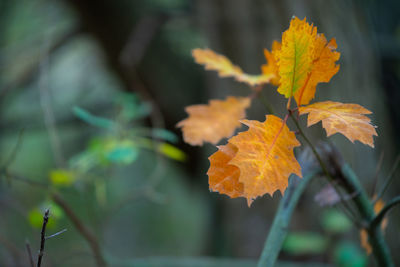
(56, 234)
(82, 229)
(28, 249)
(79, 225)
(389, 179)
(23, 179)
(43, 237)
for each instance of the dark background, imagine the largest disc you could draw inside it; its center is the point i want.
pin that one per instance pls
(55, 55)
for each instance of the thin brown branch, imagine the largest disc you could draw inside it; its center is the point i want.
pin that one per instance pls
(43, 237)
(29, 251)
(82, 229)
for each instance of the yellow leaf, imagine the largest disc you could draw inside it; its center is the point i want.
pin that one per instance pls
(222, 176)
(346, 119)
(295, 56)
(364, 234)
(323, 68)
(61, 177)
(212, 122)
(225, 68)
(272, 66)
(171, 152)
(265, 157)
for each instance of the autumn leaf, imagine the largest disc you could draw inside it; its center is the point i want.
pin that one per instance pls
(212, 122)
(272, 66)
(347, 119)
(265, 157)
(295, 58)
(323, 68)
(225, 68)
(222, 176)
(364, 234)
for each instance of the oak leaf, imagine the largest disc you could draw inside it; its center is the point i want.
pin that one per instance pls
(265, 157)
(225, 68)
(212, 122)
(364, 234)
(272, 65)
(347, 119)
(295, 57)
(323, 68)
(223, 177)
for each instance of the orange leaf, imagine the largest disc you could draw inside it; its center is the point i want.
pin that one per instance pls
(364, 234)
(295, 57)
(224, 177)
(265, 157)
(211, 123)
(272, 66)
(346, 119)
(323, 68)
(225, 68)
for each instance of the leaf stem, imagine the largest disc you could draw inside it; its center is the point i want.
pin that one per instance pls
(353, 217)
(316, 154)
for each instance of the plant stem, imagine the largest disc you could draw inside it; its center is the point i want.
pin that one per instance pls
(364, 206)
(43, 237)
(389, 178)
(28, 249)
(353, 217)
(378, 219)
(351, 185)
(321, 163)
(279, 228)
(83, 230)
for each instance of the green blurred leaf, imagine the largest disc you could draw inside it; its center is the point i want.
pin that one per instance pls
(84, 161)
(131, 106)
(305, 243)
(92, 119)
(62, 177)
(157, 133)
(35, 216)
(335, 221)
(105, 151)
(171, 152)
(349, 255)
(165, 135)
(123, 152)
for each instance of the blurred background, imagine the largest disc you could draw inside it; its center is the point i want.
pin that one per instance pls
(90, 95)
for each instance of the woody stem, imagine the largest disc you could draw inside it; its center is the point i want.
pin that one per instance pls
(351, 184)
